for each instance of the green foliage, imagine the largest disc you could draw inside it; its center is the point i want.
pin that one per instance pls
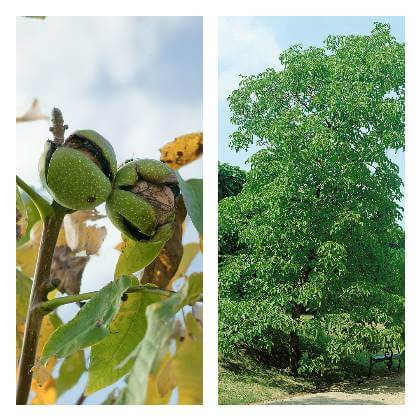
(70, 371)
(90, 325)
(126, 331)
(135, 255)
(160, 325)
(192, 192)
(315, 228)
(231, 180)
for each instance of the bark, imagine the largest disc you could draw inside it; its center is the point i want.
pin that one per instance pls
(297, 310)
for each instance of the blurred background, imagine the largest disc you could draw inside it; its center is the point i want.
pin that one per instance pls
(135, 80)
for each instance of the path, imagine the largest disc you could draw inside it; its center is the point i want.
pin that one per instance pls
(379, 391)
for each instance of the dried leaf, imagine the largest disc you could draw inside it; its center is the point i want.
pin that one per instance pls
(80, 236)
(182, 150)
(190, 251)
(68, 269)
(32, 114)
(162, 269)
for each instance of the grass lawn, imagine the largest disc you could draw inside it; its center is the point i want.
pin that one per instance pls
(246, 381)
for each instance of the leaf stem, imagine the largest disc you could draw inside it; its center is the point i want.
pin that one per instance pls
(50, 305)
(41, 204)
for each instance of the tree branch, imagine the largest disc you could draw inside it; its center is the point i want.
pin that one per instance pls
(39, 293)
(53, 217)
(50, 305)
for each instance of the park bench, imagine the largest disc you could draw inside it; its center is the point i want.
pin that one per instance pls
(387, 358)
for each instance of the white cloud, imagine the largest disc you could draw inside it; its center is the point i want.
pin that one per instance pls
(59, 60)
(246, 47)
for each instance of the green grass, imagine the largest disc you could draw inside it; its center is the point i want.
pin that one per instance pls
(248, 382)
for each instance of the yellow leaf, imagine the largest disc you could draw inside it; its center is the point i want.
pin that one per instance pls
(26, 255)
(43, 384)
(185, 369)
(44, 394)
(154, 396)
(182, 150)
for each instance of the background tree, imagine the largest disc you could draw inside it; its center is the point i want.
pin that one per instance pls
(315, 249)
(231, 180)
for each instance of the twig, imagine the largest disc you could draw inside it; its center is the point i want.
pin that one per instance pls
(50, 305)
(81, 399)
(39, 293)
(40, 285)
(58, 127)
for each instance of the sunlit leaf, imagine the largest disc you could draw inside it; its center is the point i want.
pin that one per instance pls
(154, 396)
(135, 255)
(182, 150)
(160, 324)
(192, 191)
(126, 331)
(90, 325)
(44, 394)
(184, 370)
(70, 371)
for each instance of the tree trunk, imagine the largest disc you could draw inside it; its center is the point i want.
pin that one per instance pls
(294, 341)
(297, 310)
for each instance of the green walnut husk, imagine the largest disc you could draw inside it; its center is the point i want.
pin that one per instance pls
(143, 198)
(79, 173)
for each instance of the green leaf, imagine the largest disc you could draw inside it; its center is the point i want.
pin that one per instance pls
(90, 325)
(126, 331)
(160, 325)
(192, 191)
(135, 255)
(70, 371)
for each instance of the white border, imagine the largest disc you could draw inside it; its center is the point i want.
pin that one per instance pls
(210, 12)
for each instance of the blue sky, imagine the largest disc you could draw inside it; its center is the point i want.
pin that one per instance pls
(136, 80)
(249, 45)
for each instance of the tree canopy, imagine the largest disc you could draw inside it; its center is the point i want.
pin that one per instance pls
(231, 180)
(312, 250)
